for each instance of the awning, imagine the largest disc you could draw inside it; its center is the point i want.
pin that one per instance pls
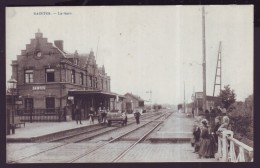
(95, 92)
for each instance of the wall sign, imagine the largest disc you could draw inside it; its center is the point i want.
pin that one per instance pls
(70, 98)
(39, 88)
(18, 102)
(199, 95)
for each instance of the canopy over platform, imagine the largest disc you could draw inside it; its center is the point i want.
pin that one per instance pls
(94, 92)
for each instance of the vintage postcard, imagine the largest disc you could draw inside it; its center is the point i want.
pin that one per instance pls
(104, 84)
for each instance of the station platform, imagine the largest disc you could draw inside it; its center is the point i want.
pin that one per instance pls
(44, 131)
(177, 128)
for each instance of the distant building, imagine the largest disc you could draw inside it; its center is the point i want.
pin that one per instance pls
(52, 82)
(132, 102)
(210, 102)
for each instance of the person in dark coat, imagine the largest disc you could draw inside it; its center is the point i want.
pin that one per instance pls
(192, 111)
(78, 115)
(207, 147)
(215, 128)
(103, 115)
(137, 116)
(196, 136)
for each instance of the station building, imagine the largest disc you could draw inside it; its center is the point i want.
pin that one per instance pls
(52, 82)
(132, 102)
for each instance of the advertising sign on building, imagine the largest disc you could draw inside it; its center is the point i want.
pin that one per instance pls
(36, 88)
(18, 102)
(199, 95)
(70, 98)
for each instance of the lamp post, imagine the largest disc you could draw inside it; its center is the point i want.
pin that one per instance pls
(12, 85)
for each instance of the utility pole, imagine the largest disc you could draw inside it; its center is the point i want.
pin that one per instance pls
(204, 58)
(184, 105)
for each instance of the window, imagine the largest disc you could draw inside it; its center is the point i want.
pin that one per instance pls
(101, 84)
(106, 86)
(73, 76)
(81, 78)
(28, 76)
(50, 105)
(86, 80)
(91, 81)
(50, 75)
(66, 77)
(96, 82)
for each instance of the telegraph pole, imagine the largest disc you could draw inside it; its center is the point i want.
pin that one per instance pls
(150, 91)
(184, 105)
(204, 58)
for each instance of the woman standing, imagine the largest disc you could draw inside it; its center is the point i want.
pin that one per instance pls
(214, 133)
(215, 129)
(206, 148)
(225, 124)
(196, 136)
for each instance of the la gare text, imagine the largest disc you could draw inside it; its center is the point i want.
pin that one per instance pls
(52, 13)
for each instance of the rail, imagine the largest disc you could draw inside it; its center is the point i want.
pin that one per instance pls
(232, 150)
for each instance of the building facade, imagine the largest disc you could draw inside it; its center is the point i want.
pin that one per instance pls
(211, 102)
(52, 82)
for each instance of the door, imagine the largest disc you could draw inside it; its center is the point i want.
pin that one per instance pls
(28, 103)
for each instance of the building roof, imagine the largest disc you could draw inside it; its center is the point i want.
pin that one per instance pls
(134, 96)
(88, 92)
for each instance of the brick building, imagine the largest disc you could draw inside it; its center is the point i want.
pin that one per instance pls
(51, 82)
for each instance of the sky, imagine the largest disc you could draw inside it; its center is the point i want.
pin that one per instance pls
(147, 48)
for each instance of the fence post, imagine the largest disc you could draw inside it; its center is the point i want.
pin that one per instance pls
(219, 153)
(225, 145)
(241, 154)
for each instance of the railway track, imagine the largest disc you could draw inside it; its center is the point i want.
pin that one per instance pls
(79, 137)
(147, 128)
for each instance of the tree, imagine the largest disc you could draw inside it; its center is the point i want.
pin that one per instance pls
(228, 96)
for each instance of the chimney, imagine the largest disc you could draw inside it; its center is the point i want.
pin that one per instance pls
(59, 44)
(38, 34)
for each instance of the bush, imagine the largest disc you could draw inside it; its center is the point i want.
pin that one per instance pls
(241, 124)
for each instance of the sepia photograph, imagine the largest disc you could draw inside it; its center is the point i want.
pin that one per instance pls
(129, 84)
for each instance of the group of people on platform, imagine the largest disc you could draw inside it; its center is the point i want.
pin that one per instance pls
(100, 114)
(205, 138)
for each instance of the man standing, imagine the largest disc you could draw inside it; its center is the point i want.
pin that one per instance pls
(78, 115)
(137, 116)
(192, 112)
